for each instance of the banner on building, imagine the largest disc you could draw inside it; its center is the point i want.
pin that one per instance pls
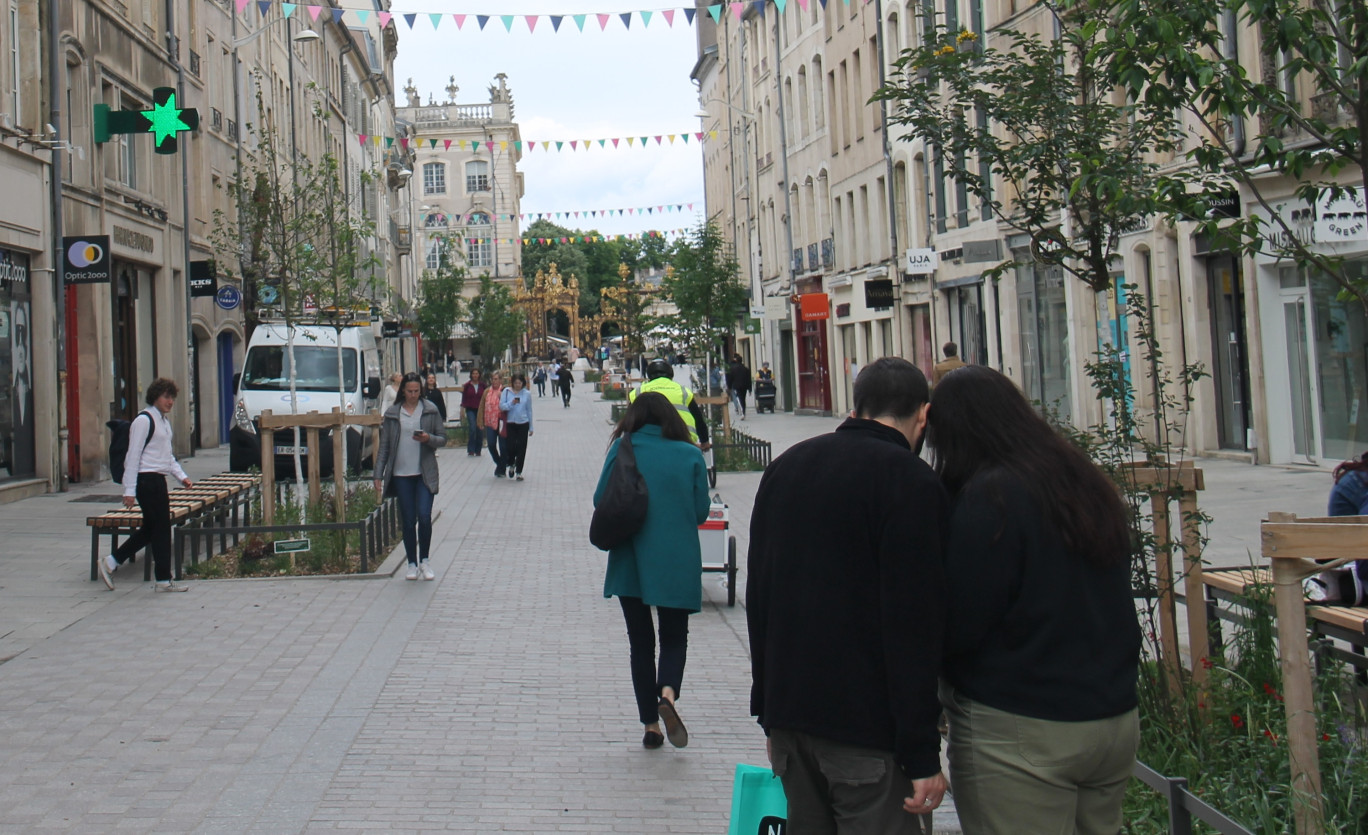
(203, 282)
(1342, 218)
(776, 307)
(813, 306)
(878, 293)
(85, 259)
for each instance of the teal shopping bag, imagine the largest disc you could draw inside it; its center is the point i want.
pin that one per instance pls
(758, 803)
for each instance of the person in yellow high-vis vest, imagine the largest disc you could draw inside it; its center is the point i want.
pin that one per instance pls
(660, 379)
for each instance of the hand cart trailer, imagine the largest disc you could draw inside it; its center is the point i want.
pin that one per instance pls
(719, 546)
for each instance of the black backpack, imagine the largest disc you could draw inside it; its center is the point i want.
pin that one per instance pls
(621, 511)
(118, 442)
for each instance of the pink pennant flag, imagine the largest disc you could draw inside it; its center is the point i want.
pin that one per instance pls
(631, 211)
(699, 136)
(313, 13)
(447, 146)
(361, 137)
(803, 4)
(737, 8)
(658, 138)
(669, 17)
(403, 142)
(615, 141)
(384, 19)
(603, 22)
(490, 146)
(573, 143)
(576, 214)
(460, 20)
(241, 4)
(530, 145)
(691, 207)
(531, 23)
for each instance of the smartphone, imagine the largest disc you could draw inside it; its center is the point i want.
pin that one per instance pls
(417, 433)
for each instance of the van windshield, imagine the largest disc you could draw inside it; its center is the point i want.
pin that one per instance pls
(266, 368)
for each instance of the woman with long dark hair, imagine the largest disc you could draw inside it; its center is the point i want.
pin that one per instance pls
(662, 566)
(1042, 643)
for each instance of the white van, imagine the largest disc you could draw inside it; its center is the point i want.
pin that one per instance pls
(265, 384)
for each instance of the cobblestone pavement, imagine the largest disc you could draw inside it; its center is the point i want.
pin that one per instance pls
(496, 699)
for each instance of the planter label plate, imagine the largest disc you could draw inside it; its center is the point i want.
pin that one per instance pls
(290, 546)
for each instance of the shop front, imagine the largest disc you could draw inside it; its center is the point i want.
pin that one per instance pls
(17, 442)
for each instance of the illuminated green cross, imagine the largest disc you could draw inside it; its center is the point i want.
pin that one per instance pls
(163, 121)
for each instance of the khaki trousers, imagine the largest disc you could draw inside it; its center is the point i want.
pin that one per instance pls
(1014, 775)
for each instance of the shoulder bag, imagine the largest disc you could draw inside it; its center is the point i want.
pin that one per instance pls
(621, 511)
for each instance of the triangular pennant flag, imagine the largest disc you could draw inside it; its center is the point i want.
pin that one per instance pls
(585, 143)
(241, 4)
(337, 15)
(601, 141)
(631, 211)
(531, 22)
(629, 141)
(780, 4)
(579, 21)
(263, 6)
(691, 207)
(689, 15)
(517, 144)
(384, 19)
(615, 141)
(503, 144)
(603, 22)
(657, 139)
(672, 138)
(714, 11)
(409, 19)
(556, 22)
(447, 145)
(362, 138)
(759, 7)
(287, 9)
(626, 19)
(669, 17)
(389, 141)
(436, 18)
(482, 19)
(737, 9)
(531, 145)
(559, 144)
(489, 146)
(645, 18)
(573, 143)
(823, 2)
(313, 13)
(643, 142)
(361, 16)
(432, 143)
(685, 137)
(375, 140)
(403, 142)
(802, 4)
(507, 22)
(650, 211)
(699, 136)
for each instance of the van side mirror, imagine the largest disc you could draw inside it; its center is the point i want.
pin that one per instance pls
(372, 391)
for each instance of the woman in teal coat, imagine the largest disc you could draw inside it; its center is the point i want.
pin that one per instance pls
(662, 565)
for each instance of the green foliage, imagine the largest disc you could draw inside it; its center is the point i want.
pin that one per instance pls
(1077, 163)
(1300, 113)
(734, 459)
(613, 394)
(493, 322)
(457, 435)
(706, 289)
(592, 376)
(441, 305)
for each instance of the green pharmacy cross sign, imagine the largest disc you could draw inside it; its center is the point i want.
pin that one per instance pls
(163, 121)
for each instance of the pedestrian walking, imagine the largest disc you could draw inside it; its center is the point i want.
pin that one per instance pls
(950, 363)
(391, 393)
(470, 403)
(516, 402)
(406, 467)
(660, 380)
(566, 377)
(1042, 642)
(539, 377)
(436, 396)
(491, 418)
(1348, 585)
(739, 383)
(149, 461)
(845, 611)
(661, 567)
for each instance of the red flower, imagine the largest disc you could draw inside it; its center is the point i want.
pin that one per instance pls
(1325, 737)
(1206, 664)
(1236, 720)
(1272, 737)
(1269, 689)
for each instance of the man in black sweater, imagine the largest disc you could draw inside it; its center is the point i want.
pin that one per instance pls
(845, 608)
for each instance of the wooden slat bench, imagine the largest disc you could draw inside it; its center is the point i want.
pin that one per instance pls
(1227, 587)
(226, 493)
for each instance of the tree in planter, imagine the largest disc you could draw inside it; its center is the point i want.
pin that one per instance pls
(494, 324)
(704, 284)
(1302, 114)
(1038, 117)
(287, 234)
(441, 306)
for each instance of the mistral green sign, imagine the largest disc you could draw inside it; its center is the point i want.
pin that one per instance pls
(291, 546)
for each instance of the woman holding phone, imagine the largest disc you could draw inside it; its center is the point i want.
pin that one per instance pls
(516, 400)
(406, 467)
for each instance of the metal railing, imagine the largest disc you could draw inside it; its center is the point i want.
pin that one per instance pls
(1183, 805)
(754, 448)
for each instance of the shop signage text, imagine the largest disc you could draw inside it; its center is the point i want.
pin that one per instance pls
(14, 268)
(1341, 219)
(85, 259)
(878, 293)
(134, 240)
(922, 261)
(976, 252)
(813, 306)
(202, 279)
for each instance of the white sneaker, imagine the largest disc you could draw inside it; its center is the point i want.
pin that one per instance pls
(169, 586)
(427, 570)
(107, 567)
(412, 572)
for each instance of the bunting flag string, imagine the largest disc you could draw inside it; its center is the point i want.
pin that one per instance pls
(442, 219)
(581, 239)
(603, 19)
(530, 145)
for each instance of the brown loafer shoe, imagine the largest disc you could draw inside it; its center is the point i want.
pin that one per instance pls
(674, 726)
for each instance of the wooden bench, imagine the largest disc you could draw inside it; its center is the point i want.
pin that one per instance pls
(1232, 587)
(228, 494)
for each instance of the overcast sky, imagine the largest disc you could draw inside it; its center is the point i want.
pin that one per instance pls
(572, 85)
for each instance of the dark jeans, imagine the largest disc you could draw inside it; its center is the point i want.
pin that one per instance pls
(565, 394)
(839, 789)
(641, 638)
(740, 400)
(541, 388)
(474, 439)
(156, 527)
(497, 449)
(415, 509)
(515, 447)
